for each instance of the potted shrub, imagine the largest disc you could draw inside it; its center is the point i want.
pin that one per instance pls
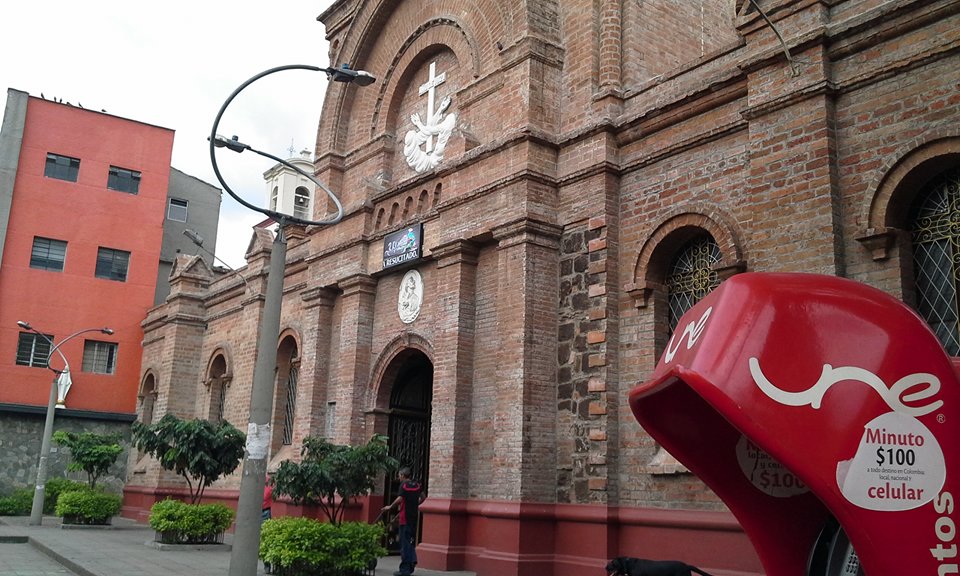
(329, 476)
(176, 522)
(54, 488)
(303, 546)
(88, 507)
(201, 452)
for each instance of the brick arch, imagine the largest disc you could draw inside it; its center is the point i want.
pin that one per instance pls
(384, 369)
(902, 175)
(148, 374)
(148, 396)
(360, 45)
(289, 353)
(224, 351)
(290, 333)
(434, 36)
(677, 227)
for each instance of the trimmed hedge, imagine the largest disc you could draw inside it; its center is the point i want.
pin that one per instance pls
(88, 506)
(303, 546)
(17, 504)
(179, 523)
(55, 487)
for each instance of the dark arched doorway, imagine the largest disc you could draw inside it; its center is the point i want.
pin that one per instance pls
(409, 419)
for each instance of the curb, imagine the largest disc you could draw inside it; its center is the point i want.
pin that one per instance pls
(181, 547)
(13, 539)
(62, 560)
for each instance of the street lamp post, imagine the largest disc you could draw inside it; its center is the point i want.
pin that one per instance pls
(36, 511)
(246, 538)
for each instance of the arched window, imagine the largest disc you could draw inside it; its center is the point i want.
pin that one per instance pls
(691, 276)
(285, 399)
(274, 194)
(217, 381)
(148, 397)
(936, 256)
(301, 203)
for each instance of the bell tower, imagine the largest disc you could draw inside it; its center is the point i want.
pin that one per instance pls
(290, 192)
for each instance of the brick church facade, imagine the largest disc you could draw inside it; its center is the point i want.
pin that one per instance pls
(578, 173)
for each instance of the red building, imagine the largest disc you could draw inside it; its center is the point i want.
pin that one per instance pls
(82, 200)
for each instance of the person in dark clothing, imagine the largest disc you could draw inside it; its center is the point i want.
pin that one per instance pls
(408, 501)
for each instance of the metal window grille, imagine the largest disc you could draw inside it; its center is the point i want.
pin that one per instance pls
(112, 264)
(936, 257)
(221, 399)
(691, 277)
(123, 180)
(48, 254)
(99, 357)
(61, 167)
(33, 350)
(291, 405)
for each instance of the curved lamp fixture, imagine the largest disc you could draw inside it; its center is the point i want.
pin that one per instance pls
(342, 74)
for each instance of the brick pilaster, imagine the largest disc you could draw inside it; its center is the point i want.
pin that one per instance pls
(315, 365)
(356, 333)
(524, 466)
(453, 368)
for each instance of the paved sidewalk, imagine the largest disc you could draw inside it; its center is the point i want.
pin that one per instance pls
(122, 550)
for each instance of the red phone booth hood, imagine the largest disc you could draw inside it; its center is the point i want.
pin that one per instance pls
(797, 397)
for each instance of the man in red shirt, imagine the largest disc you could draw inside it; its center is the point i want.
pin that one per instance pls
(409, 499)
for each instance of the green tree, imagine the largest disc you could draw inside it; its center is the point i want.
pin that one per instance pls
(89, 452)
(329, 470)
(198, 450)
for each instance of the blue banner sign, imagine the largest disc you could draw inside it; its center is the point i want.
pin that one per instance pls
(402, 246)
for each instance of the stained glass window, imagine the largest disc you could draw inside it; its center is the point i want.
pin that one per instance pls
(691, 277)
(935, 231)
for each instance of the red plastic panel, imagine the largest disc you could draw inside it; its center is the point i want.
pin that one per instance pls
(799, 396)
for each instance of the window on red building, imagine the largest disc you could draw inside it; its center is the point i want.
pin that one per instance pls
(99, 357)
(112, 264)
(61, 167)
(33, 350)
(48, 254)
(123, 180)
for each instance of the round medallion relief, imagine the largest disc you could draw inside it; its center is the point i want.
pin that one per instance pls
(411, 296)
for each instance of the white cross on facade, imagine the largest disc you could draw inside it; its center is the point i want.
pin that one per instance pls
(430, 87)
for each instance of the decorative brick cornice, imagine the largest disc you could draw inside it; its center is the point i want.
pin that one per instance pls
(455, 252)
(318, 296)
(358, 284)
(528, 231)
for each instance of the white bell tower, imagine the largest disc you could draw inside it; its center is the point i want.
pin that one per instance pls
(289, 192)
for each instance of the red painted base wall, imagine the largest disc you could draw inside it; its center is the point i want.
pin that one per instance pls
(495, 538)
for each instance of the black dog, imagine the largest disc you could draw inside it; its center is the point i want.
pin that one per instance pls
(625, 566)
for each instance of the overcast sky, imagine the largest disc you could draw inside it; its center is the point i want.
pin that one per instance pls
(172, 64)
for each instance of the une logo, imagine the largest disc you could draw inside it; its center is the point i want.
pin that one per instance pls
(691, 333)
(894, 396)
